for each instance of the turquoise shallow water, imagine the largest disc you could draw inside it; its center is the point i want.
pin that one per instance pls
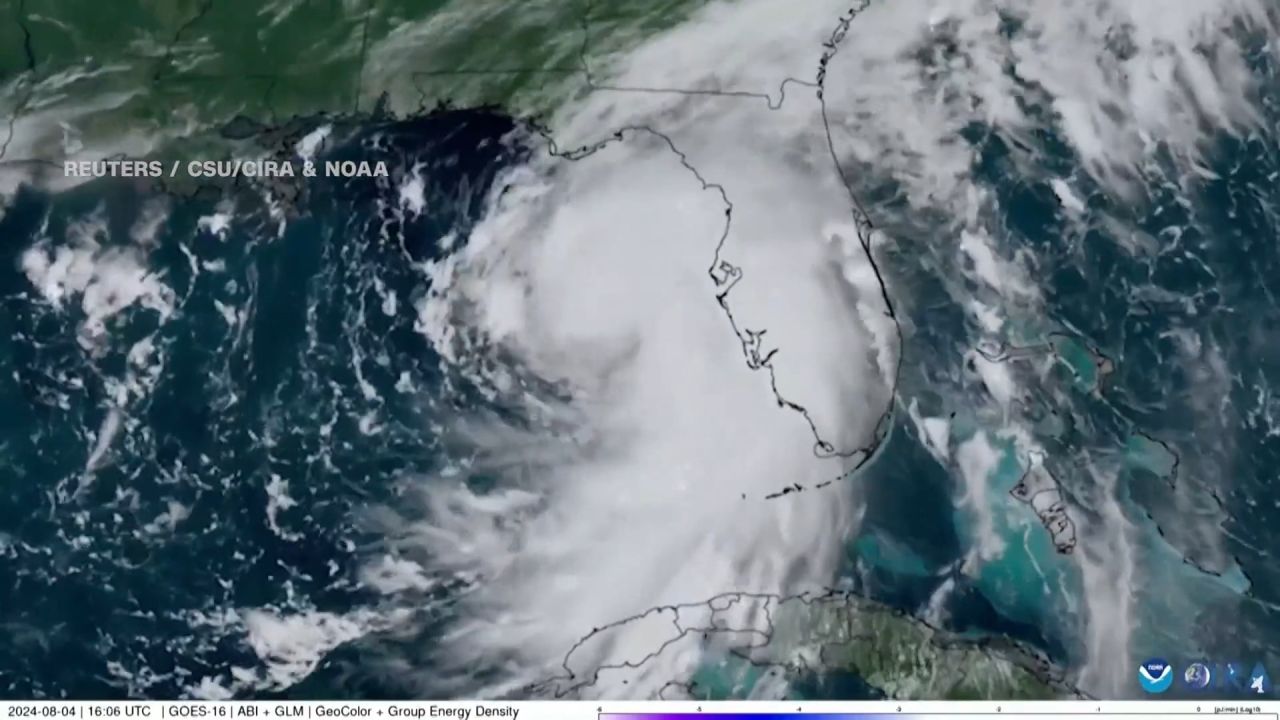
(1154, 407)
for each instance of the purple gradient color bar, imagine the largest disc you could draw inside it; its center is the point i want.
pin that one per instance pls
(754, 716)
(959, 715)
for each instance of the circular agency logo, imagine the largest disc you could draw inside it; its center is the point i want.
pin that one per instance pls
(1155, 675)
(1197, 676)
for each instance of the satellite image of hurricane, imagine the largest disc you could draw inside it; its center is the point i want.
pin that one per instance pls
(683, 349)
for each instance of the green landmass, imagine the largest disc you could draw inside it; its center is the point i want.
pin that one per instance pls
(161, 77)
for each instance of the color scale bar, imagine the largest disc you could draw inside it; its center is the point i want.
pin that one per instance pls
(893, 716)
(758, 716)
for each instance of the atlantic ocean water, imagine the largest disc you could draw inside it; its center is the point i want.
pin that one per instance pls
(1139, 360)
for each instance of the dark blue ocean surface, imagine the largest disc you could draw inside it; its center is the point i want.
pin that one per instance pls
(275, 383)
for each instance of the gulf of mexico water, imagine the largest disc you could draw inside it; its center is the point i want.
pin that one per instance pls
(200, 392)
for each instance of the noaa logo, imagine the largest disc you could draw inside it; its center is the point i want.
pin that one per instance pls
(1155, 675)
